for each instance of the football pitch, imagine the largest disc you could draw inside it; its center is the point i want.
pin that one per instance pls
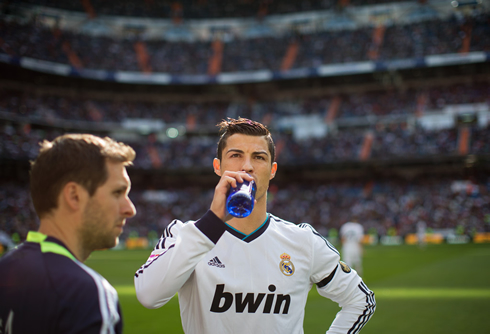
(439, 289)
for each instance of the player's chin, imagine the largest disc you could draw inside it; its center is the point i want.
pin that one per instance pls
(107, 243)
(113, 242)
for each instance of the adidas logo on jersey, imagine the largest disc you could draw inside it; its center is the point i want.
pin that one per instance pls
(216, 262)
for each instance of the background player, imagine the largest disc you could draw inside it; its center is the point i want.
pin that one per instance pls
(79, 188)
(421, 231)
(351, 234)
(253, 274)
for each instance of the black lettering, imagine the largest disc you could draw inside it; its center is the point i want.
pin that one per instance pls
(279, 300)
(249, 299)
(268, 303)
(222, 301)
(269, 299)
(218, 295)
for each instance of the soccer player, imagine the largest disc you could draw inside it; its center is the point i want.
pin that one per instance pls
(421, 231)
(79, 188)
(351, 234)
(253, 274)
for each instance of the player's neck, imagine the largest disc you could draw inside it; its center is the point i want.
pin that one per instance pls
(251, 223)
(52, 227)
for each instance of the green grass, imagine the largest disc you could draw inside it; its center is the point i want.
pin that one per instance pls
(439, 289)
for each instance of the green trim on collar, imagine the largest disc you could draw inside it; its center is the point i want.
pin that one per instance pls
(48, 246)
(34, 236)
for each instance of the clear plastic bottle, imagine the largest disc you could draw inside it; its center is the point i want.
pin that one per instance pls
(240, 200)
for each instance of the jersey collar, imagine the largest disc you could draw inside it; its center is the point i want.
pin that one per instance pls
(252, 236)
(49, 244)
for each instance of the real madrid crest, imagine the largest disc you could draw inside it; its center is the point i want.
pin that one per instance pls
(286, 265)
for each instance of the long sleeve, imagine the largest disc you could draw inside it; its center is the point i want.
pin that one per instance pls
(175, 257)
(353, 296)
(336, 281)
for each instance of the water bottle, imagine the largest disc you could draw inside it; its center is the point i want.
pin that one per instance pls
(240, 200)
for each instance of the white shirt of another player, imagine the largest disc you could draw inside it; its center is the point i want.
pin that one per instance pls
(352, 234)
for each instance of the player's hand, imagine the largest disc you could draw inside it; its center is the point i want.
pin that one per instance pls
(228, 179)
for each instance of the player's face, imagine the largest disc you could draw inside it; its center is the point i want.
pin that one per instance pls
(107, 210)
(249, 154)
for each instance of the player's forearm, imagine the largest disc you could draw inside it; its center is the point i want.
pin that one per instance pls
(355, 314)
(161, 277)
(157, 283)
(349, 320)
(353, 296)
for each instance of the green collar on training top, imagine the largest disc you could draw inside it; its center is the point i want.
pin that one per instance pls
(48, 246)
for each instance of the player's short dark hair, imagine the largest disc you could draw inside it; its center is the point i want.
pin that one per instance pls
(79, 158)
(243, 126)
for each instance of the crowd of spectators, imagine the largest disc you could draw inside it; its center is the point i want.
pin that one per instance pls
(50, 108)
(443, 96)
(424, 38)
(17, 213)
(22, 143)
(333, 47)
(382, 206)
(203, 9)
(380, 103)
(377, 103)
(264, 53)
(400, 142)
(45, 116)
(32, 40)
(480, 141)
(395, 142)
(178, 57)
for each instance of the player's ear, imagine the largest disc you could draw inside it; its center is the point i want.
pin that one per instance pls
(217, 166)
(273, 170)
(73, 196)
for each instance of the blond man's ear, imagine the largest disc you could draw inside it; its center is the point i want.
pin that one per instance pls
(73, 196)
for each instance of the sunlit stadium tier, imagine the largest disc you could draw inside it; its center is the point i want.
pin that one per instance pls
(365, 39)
(442, 120)
(189, 9)
(365, 106)
(378, 109)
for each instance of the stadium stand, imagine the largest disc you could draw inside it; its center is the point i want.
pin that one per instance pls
(409, 41)
(387, 204)
(361, 104)
(188, 9)
(391, 145)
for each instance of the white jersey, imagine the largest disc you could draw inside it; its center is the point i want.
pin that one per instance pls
(352, 233)
(229, 282)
